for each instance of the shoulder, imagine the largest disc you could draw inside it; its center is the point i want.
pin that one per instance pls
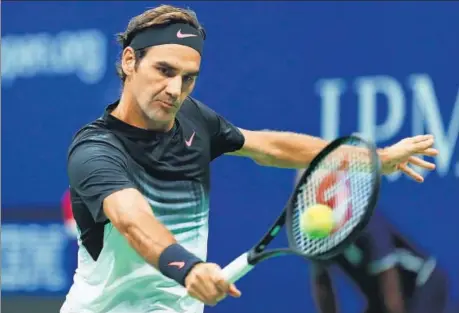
(198, 114)
(96, 136)
(197, 111)
(194, 108)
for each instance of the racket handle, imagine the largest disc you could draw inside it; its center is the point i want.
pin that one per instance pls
(232, 272)
(237, 269)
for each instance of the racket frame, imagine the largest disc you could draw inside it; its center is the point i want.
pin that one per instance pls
(355, 233)
(240, 266)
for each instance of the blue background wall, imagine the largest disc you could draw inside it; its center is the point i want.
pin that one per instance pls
(312, 67)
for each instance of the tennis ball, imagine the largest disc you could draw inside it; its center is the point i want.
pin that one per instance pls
(317, 221)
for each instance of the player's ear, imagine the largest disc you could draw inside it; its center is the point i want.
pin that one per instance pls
(128, 61)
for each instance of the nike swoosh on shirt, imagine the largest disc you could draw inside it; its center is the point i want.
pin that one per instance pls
(190, 141)
(180, 35)
(179, 265)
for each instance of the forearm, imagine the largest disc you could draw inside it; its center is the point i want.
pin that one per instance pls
(323, 293)
(148, 237)
(131, 214)
(292, 150)
(289, 150)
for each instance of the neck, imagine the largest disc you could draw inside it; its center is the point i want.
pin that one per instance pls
(129, 111)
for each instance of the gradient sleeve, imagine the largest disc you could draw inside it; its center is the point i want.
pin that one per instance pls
(225, 137)
(96, 170)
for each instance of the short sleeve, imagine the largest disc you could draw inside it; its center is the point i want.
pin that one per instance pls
(96, 170)
(225, 137)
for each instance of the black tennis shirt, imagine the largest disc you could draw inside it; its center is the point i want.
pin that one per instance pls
(170, 169)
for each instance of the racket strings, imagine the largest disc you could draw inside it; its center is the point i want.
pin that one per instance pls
(346, 189)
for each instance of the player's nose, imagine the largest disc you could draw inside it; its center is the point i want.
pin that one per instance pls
(174, 87)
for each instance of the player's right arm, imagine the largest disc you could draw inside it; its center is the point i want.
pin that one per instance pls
(98, 173)
(130, 213)
(322, 289)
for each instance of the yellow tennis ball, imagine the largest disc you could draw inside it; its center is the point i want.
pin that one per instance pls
(317, 221)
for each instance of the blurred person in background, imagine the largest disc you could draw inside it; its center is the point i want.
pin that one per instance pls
(67, 215)
(139, 176)
(393, 275)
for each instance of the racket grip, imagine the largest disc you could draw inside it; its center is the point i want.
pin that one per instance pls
(232, 272)
(237, 269)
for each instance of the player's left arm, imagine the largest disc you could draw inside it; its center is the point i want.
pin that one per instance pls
(280, 149)
(292, 150)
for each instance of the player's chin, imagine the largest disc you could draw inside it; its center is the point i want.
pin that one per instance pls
(163, 116)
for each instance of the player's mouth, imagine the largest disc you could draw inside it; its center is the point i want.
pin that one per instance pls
(169, 105)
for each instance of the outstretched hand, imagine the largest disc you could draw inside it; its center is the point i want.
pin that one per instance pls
(401, 155)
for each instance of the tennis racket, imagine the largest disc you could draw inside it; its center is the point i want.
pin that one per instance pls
(345, 176)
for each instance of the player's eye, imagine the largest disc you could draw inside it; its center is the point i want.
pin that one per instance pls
(165, 71)
(188, 79)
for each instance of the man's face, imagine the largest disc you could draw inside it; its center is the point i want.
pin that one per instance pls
(163, 79)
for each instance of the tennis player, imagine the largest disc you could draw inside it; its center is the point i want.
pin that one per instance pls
(139, 176)
(393, 275)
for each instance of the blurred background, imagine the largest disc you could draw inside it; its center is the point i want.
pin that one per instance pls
(385, 69)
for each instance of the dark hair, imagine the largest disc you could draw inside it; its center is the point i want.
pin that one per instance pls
(161, 15)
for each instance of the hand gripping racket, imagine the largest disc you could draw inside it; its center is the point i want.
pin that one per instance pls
(345, 176)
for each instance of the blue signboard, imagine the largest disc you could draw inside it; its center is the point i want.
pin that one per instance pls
(38, 254)
(387, 70)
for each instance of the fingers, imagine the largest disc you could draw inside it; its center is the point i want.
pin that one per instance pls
(214, 290)
(421, 163)
(410, 172)
(424, 144)
(421, 138)
(420, 146)
(402, 154)
(221, 285)
(216, 287)
(198, 294)
(206, 283)
(203, 289)
(430, 152)
(233, 291)
(225, 286)
(220, 282)
(200, 285)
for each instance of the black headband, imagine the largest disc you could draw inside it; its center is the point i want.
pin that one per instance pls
(180, 34)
